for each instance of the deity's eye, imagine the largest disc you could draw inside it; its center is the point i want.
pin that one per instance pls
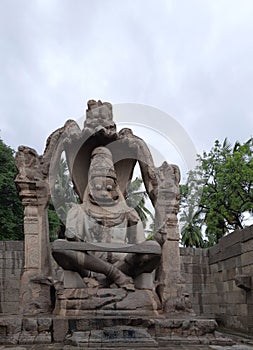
(109, 188)
(98, 187)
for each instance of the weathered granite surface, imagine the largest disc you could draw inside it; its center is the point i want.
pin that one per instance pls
(114, 332)
(210, 281)
(101, 163)
(128, 306)
(219, 280)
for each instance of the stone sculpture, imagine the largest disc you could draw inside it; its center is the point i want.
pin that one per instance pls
(104, 217)
(103, 235)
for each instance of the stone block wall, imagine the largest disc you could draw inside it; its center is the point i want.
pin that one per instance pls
(231, 268)
(11, 266)
(196, 273)
(219, 280)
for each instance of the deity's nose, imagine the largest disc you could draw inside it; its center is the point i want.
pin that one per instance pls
(104, 194)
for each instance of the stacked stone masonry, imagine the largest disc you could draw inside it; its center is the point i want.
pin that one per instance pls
(11, 265)
(218, 280)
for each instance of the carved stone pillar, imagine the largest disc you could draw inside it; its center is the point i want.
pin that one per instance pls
(34, 194)
(171, 284)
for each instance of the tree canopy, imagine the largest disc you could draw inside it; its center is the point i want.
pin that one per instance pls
(217, 194)
(11, 210)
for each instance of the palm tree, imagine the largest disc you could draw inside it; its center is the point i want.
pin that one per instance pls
(63, 192)
(191, 234)
(63, 195)
(136, 199)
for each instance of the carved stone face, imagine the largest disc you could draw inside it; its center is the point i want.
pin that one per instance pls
(103, 190)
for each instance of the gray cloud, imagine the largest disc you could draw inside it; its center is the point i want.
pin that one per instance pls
(191, 59)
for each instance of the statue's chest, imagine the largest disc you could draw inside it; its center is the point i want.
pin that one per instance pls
(105, 230)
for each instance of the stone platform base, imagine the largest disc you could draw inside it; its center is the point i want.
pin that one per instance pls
(110, 331)
(81, 302)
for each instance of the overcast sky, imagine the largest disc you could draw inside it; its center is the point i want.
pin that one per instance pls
(192, 59)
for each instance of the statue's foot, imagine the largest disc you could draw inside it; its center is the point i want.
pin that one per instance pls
(103, 282)
(129, 287)
(121, 280)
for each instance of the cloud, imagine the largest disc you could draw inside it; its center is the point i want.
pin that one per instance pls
(191, 59)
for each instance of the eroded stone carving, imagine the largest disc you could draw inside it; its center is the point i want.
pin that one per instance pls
(101, 163)
(104, 217)
(99, 118)
(28, 163)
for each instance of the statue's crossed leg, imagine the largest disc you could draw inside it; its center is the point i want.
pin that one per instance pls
(121, 273)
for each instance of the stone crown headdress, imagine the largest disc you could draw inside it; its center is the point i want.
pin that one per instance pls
(102, 163)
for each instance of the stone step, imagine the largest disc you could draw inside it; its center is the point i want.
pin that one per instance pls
(119, 336)
(98, 331)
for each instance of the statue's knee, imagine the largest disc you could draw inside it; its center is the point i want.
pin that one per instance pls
(60, 257)
(58, 254)
(156, 259)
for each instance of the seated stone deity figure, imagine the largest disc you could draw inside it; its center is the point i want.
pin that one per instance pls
(104, 217)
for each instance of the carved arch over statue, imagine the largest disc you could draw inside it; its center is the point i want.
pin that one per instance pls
(162, 186)
(127, 149)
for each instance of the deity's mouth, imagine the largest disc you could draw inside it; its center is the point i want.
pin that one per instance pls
(104, 201)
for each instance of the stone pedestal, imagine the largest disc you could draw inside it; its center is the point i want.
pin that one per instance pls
(101, 331)
(113, 301)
